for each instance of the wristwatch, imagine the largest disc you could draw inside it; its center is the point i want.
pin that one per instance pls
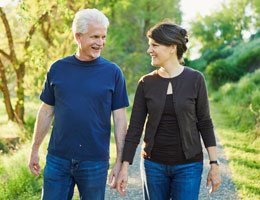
(214, 162)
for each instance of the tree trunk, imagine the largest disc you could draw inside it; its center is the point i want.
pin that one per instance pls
(18, 115)
(19, 107)
(5, 91)
(147, 19)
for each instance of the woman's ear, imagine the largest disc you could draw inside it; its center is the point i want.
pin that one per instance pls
(173, 48)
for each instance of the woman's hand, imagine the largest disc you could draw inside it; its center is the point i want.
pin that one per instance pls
(214, 178)
(122, 179)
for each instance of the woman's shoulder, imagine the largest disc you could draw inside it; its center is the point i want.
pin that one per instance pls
(190, 72)
(148, 77)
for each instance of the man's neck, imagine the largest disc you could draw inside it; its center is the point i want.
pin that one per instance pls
(82, 57)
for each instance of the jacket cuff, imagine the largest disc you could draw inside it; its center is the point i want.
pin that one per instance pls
(208, 137)
(129, 152)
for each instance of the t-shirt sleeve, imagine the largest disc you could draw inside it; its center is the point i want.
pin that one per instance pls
(47, 94)
(120, 98)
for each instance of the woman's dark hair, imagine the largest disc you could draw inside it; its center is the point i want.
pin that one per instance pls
(168, 33)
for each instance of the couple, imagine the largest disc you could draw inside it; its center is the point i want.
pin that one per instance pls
(82, 90)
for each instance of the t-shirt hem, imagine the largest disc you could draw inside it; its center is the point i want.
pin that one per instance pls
(118, 107)
(84, 158)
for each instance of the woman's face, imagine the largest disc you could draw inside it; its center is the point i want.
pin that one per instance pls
(160, 53)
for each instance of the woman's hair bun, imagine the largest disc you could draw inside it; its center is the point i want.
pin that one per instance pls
(183, 32)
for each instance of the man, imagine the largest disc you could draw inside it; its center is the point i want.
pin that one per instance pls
(80, 92)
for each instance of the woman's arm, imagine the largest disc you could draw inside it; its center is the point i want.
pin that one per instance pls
(205, 127)
(133, 136)
(136, 125)
(214, 178)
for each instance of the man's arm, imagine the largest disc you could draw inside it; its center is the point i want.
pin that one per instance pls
(41, 128)
(120, 126)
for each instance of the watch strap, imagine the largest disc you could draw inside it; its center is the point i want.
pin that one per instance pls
(214, 162)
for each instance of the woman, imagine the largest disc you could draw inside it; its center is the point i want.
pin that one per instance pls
(174, 98)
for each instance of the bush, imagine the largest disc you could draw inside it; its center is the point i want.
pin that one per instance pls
(256, 100)
(246, 60)
(16, 180)
(222, 70)
(23, 185)
(198, 64)
(219, 72)
(3, 146)
(209, 56)
(241, 101)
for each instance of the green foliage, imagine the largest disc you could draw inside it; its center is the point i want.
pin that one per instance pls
(16, 180)
(3, 146)
(242, 151)
(21, 186)
(209, 56)
(230, 63)
(224, 24)
(241, 102)
(218, 73)
(52, 39)
(127, 43)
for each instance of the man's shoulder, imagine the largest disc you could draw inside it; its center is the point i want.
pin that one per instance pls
(62, 61)
(108, 63)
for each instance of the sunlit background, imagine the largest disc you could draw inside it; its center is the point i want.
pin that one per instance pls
(224, 45)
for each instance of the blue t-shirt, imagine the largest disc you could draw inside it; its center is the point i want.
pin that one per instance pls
(83, 94)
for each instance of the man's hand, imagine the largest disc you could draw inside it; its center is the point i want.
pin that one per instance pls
(214, 178)
(34, 164)
(122, 179)
(114, 174)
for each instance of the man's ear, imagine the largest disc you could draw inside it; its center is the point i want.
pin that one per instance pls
(77, 37)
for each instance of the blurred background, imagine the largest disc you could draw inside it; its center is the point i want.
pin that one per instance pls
(224, 44)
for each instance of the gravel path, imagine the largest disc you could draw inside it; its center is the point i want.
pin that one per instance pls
(226, 190)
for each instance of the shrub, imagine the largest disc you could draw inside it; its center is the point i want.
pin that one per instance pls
(222, 71)
(246, 60)
(3, 146)
(22, 185)
(219, 72)
(241, 101)
(16, 180)
(198, 64)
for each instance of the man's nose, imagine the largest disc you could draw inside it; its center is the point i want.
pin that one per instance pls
(100, 41)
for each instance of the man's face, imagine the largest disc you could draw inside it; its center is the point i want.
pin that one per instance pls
(91, 43)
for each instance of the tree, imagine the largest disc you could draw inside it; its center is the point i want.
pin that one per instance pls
(18, 63)
(127, 43)
(222, 25)
(38, 32)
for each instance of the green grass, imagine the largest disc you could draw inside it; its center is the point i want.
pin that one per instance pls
(16, 180)
(243, 154)
(241, 102)
(241, 147)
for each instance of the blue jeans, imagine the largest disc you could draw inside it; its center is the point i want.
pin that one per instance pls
(61, 176)
(177, 182)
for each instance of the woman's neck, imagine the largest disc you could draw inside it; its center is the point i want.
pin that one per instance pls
(171, 69)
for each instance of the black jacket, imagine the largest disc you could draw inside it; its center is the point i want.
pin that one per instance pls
(191, 106)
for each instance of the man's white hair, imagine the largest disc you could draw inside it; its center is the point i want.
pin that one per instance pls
(83, 17)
